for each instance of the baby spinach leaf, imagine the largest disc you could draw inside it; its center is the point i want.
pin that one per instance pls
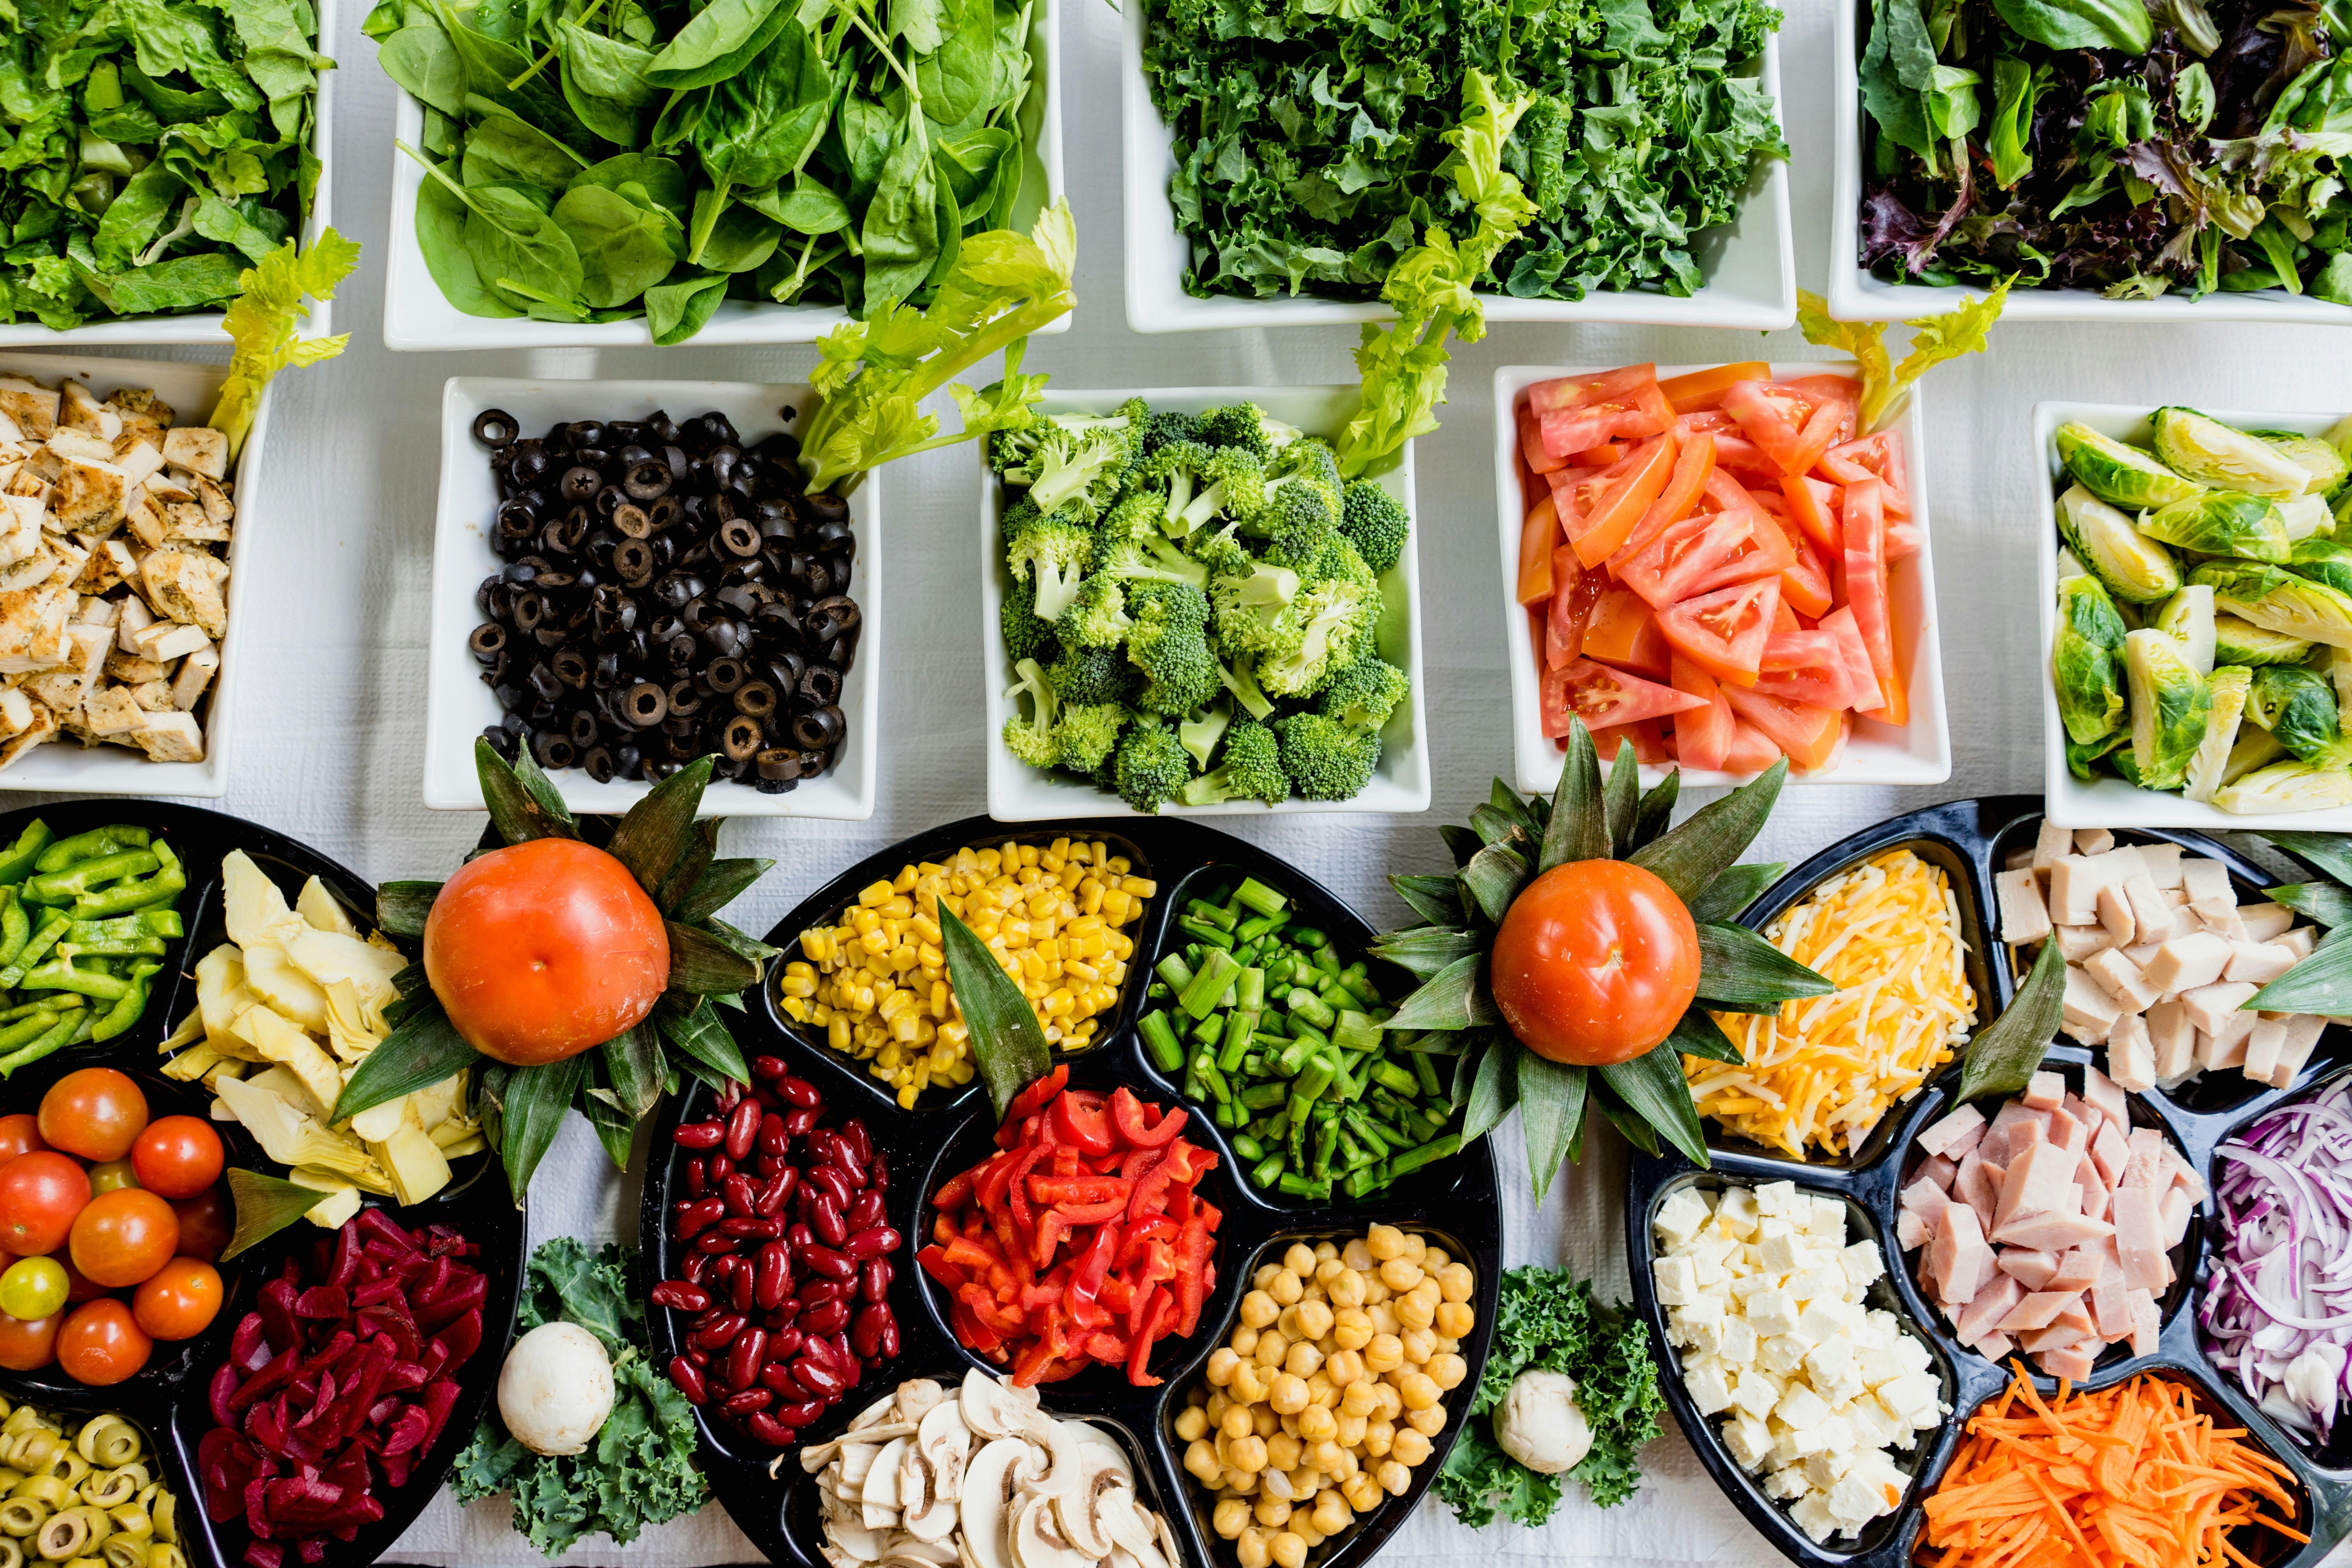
(808, 208)
(901, 232)
(741, 240)
(422, 60)
(500, 147)
(663, 178)
(624, 248)
(611, 68)
(675, 311)
(724, 38)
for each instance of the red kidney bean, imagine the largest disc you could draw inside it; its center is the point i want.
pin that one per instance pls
(851, 1162)
(784, 1344)
(823, 1318)
(778, 1377)
(688, 1377)
(728, 1093)
(820, 1347)
(866, 1334)
(694, 1218)
(742, 1130)
(800, 1092)
(798, 1122)
(767, 1070)
(696, 1266)
(770, 1430)
(743, 1291)
(696, 1184)
(717, 1241)
(746, 1357)
(864, 1210)
(715, 1330)
(738, 1193)
(775, 1275)
(779, 1191)
(721, 1167)
(815, 1290)
(861, 1143)
(835, 1183)
(773, 1138)
(699, 1134)
(874, 1279)
(802, 1414)
(751, 1228)
(751, 1399)
(872, 1243)
(819, 1378)
(824, 1218)
(877, 1172)
(681, 1295)
(824, 1260)
(798, 1234)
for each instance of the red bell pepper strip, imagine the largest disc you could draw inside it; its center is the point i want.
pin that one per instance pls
(1078, 1189)
(1051, 1228)
(1118, 1294)
(1154, 1323)
(1075, 1215)
(1140, 1234)
(958, 1192)
(1033, 1098)
(1140, 1311)
(1016, 1192)
(934, 1262)
(1136, 1161)
(1030, 1367)
(1080, 1125)
(1107, 1347)
(1128, 1115)
(1192, 1278)
(1094, 1266)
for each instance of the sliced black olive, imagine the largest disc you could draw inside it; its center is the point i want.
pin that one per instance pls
(827, 506)
(735, 769)
(756, 698)
(570, 667)
(684, 699)
(580, 483)
(821, 685)
(682, 748)
(782, 765)
(698, 612)
(530, 610)
(496, 427)
(648, 480)
(830, 618)
(724, 637)
(724, 675)
(517, 519)
(644, 705)
(741, 737)
(599, 764)
(834, 537)
(489, 640)
(820, 727)
(633, 559)
(627, 762)
(584, 728)
(633, 520)
(542, 680)
(501, 740)
(737, 537)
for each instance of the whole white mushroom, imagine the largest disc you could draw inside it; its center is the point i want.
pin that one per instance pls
(556, 1389)
(1540, 1423)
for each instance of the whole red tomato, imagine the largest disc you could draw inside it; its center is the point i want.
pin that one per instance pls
(544, 949)
(1595, 963)
(179, 1300)
(20, 1134)
(122, 1236)
(206, 1223)
(94, 1112)
(40, 1193)
(178, 1156)
(29, 1344)
(101, 1343)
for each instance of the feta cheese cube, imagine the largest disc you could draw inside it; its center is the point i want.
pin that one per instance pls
(1710, 1389)
(1768, 1311)
(1782, 1353)
(1680, 1217)
(1812, 1516)
(1736, 1213)
(1915, 1397)
(1753, 1394)
(1781, 1253)
(1740, 1341)
(1749, 1440)
(1827, 1280)
(1824, 1220)
(1777, 1199)
(1801, 1409)
(1786, 1483)
(1825, 1468)
(1862, 1264)
(1676, 1279)
(1881, 1367)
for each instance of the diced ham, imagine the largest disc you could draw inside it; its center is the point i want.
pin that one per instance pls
(2173, 1211)
(2110, 1309)
(2037, 1309)
(2147, 1323)
(1911, 1232)
(2055, 1232)
(2057, 1337)
(1926, 1199)
(1983, 1314)
(2067, 1133)
(2076, 1315)
(2092, 1185)
(1939, 1170)
(1974, 1185)
(2139, 1237)
(2102, 1095)
(2040, 1181)
(2110, 1152)
(2174, 1040)
(1954, 1136)
(1961, 1260)
(2075, 1362)
(2025, 918)
(1994, 1346)
(2030, 1269)
(1996, 1146)
(2075, 1106)
(2076, 1269)
(2044, 1091)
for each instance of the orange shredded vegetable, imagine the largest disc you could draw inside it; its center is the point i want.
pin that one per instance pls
(2135, 1476)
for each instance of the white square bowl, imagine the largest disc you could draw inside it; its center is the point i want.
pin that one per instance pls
(416, 317)
(204, 326)
(459, 707)
(2108, 801)
(1918, 754)
(1749, 263)
(1019, 792)
(1855, 295)
(64, 764)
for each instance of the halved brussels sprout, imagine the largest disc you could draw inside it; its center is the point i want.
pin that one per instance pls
(2307, 517)
(2082, 659)
(2280, 601)
(2322, 561)
(2287, 786)
(2171, 708)
(2228, 687)
(2239, 641)
(2338, 665)
(2118, 474)
(2297, 706)
(2324, 463)
(2132, 566)
(2255, 747)
(2187, 618)
(2200, 448)
(2115, 748)
(2222, 522)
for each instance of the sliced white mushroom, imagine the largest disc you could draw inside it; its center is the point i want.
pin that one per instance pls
(995, 1409)
(880, 1496)
(1167, 1538)
(916, 1397)
(1063, 1459)
(1078, 1505)
(908, 1551)
(1093, 1436)
(945, 1441)
(990, 1482)
(927, 1515)
(1037, 1540)
(1130, 1527)
(857, 1463)
(845, 1530)
(874, 1413)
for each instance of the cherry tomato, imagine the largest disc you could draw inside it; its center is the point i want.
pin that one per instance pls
(1595, 963)
(206, 1223)
(178, 1156)
(121, 1238)
(543, 949)
(112, 1176)
(28, 1345)
(40, 1193)
(79, 1287)
(94, 1112)
(20, 1134)
(179, 1301)
(33, 1288)
(100, 1342)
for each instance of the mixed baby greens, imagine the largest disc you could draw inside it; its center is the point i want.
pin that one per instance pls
(2132, 149)
(599, 160)
(150, 151)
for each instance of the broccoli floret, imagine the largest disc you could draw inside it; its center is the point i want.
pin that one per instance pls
(1080, 464)
(1374, 521)
(1025, 636)
(1326, 759)
(1232, 484)
(1249, 607)
(1309, 463)
(1293, 525)
(1154, 561)
(1088, 733)
(1326, 627)
(1152, 766)
(1169, 644)
(1085, 676)
(1013, 449)
(1361, 695)
(1251, 769)
(1096, 617)
(1135, 519)
(1031, 739)
(1202, 732)
(1166, 428)
(1239, 678)
(1239, 425)
(1054, 553)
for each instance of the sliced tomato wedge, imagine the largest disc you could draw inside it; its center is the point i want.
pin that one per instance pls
(1793, 426)
(1878, 457)
(1813, 504)
(1903, 541)
(1805, 667)
(1576, 489)
(1809, 734)
(1623, 631)
(1865, 577)
(1702, 734)
(1601, 457)
(1648, 745)
(1538, 537)
(1752, 751)
(1703, 389)
(1724, 633)
(1762, 550)
(1805, 584)
(1861, 680)
(1607, 523)
(1725, 493)
(1578, 412)
(1784, 619)
(1586, 689)
(1732, 448)
(1532, 451)
(1693, 466)
(1712, 550)
(1571, 607)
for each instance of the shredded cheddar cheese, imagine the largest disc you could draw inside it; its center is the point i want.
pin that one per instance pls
(1822, 1070)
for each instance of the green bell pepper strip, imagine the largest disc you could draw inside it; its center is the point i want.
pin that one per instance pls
(64, 886)
(17, 862)
(56, 1037)
(59, 974)
(130, 947)
(54, 925)
(16, 925)
(165, 885)
(161, 924)
(129, 1006)
(111, 839)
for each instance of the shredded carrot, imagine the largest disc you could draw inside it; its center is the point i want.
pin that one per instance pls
(2069, 1483)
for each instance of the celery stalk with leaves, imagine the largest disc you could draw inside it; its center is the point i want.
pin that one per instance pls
(264, 320)
(1887, 385)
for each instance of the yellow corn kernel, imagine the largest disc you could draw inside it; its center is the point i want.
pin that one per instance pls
(836, 1034)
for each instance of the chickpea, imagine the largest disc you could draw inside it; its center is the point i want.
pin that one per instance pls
(1326, 1251)
(1455, 1320)
(1202, 1461)
(1276, 1484)
(1434, 1258)
(1416, 1247)
(1417, 1389)
(1420, 1345)
(1230, 1518)
(1446, 1346)
(1347, 1288)
(1400, 1274)
(1384, 1242)
(1411, 1447)
(1235, 1422)
(1393, 1477)
(1457, 1282)
(1304, 1360)
(1380, 1437)
(1356, 1254)
(1343, 1463)
(1250, 1550)
(1331, 1514)
(1289, 1549)
(1288, 1396)
(1428, 1423)
(1320, 1392)
(1385, 1354)
(1306, 1531)
(1390, 1405)
(1343, 1367)
(1282, 1451)
(1351, 1328)
(1316, 1319)
(1415, 1312)
(1376, 1290)
(1216, 1407)
(1299, 1258)
(1243, 1340)
(1304, 1485)
(1271, 1510)
(1384, 1318)
(1447, 1371)
(1264, 1422)
(1262, 1277)
(1241, 1483)
(1286, 1288)
(1221, 1362)
(1351, 1430)
(1328, 1268)
(1286, 1325)
(1314, 1425)
(1249, 1382)
(1363, 1491)
(1246, 1452)
(1258, 1309)
(1360, 1398)
(1192, 1423)
(1271, 1348)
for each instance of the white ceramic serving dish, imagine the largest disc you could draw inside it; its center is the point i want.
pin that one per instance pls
(64, 764)
(1750, 263)
(1855, 295)
(2108, 801)
(1019, 792)
(1918, 754)
(459, 707)
(416, 316)
(204, 326)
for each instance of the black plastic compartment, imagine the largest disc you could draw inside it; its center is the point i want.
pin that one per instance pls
(168, 1399)
(1455, 1199)
(1971, 839)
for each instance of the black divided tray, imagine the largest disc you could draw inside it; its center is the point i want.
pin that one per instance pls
(1453, 1201)
(1969, 840)
(169, 1397)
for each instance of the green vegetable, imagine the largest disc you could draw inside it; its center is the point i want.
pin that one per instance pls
(2005, 1053)
(2237, 641)
(2287, 786)
(640, 1470)
(2228, 688)
(2169, 709)
(2130, 566)
(2280, 601)
(1885, 386)
(78, 951)
(2327, 467)
(2322, 561)
(2118, 474)
(2206, 450)
(2090, 635)
(2297, 706)
(1549, 1320)
(2188, 619)
(2221, 522)
(2081, 24)
(263, 319)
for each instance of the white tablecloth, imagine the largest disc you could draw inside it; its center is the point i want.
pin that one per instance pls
(332, 727)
